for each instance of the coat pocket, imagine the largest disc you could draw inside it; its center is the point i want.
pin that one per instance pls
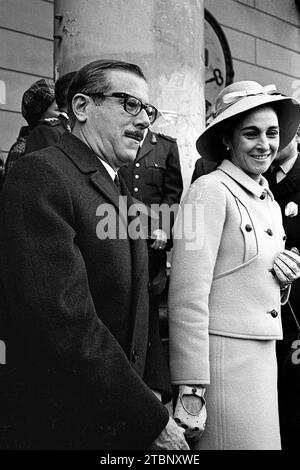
(248, 231)
(156, 169)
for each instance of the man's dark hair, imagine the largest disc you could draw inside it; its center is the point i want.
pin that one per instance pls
(93, 78)
(61, 90)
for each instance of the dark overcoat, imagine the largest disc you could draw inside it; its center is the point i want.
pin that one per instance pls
(47, 132)
(74, 311)
(286, 191)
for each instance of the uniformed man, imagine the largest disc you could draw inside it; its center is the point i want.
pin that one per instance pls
(48, 131)
(154, 177)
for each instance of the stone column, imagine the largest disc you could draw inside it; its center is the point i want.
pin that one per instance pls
(164, 37)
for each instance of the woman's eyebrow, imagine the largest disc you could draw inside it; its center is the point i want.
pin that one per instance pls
(256, 128)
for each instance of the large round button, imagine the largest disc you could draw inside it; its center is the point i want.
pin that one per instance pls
(248, 228)
(137, 165)
(274, 313)
(263, 196)
(136, 177)
(135, 189)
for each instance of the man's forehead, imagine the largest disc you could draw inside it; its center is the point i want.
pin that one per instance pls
(128, 82)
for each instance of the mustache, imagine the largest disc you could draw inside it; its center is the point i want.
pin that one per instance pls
(137, 135)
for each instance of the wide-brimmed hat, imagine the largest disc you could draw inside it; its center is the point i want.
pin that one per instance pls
(239, 98)
(37, 99)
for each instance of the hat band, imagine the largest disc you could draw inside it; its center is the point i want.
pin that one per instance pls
(235, 96)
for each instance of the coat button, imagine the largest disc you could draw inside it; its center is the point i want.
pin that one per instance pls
(269, 232)
(248, 228)
(155, 164)
(263, 196)
(137, 165)
(273, 313)
(134, 355)
(136, 177)
(135, 189)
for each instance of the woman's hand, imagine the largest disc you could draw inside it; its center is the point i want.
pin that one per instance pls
(287, 267)
(190, 411)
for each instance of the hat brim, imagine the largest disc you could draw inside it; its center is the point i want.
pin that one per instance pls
(210, 143)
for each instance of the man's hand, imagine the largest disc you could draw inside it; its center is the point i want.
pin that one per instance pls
(171, 438)
(287, 267)
(160, 239)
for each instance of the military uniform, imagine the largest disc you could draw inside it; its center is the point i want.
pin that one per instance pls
(47, 132)
(155, 175)
(155, 178)
(285, 192)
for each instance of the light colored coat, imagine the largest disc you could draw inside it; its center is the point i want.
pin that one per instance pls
(224, 285)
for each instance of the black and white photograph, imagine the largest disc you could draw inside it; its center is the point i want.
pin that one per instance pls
(149, 228)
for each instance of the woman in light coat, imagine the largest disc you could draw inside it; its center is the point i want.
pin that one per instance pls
(229, 275)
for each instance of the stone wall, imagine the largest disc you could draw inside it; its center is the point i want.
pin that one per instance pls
(26, 37)
(264, 37)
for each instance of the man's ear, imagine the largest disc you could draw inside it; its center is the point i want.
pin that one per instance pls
(80, 104)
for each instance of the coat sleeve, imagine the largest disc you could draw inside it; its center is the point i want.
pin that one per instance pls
(50, 304)
(197, 235)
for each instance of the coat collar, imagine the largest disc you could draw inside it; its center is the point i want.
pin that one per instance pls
(238, 175)
(88, 163)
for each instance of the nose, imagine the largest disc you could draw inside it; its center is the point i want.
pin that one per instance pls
(142, 119)
(263, 143)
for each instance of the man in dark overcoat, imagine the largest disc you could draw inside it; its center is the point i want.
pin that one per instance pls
(82, 371)
(284, 182)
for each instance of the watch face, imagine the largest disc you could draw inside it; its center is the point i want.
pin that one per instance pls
(218, 62)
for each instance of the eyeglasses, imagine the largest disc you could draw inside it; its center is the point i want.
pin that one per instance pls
(132, 105)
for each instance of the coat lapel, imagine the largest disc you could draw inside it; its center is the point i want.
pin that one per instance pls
(87, 162)
(139, 258)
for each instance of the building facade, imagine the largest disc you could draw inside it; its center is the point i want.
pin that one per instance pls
(263, 38)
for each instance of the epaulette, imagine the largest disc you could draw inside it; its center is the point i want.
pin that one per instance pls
(52, 121)
(167, 137)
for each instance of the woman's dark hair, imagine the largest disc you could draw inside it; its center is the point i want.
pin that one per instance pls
(230, 125)
(94, 78)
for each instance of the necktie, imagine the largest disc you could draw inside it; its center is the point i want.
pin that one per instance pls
(117, 182)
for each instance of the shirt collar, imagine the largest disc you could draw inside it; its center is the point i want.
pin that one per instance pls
(112, 173)
(237, 174)
(288, 165)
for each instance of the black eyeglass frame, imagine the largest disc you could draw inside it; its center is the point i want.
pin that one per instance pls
(126, 97)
